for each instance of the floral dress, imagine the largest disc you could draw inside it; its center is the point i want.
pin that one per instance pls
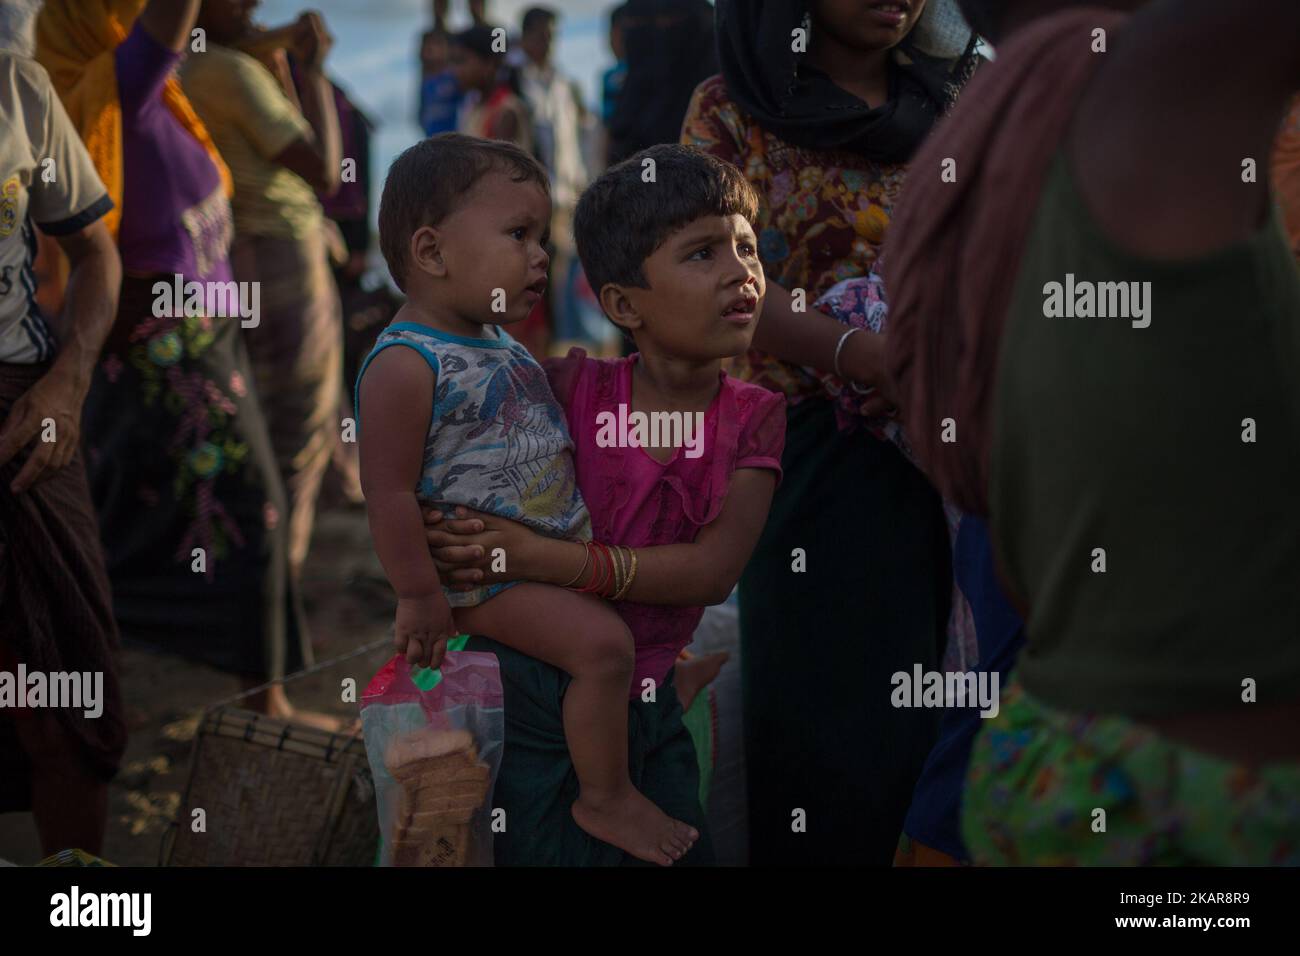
(188, 495)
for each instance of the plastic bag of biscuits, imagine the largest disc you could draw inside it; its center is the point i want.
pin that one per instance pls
(434, 741)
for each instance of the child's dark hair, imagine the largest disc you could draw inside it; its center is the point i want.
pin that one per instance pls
(428, 181)
(622, 219)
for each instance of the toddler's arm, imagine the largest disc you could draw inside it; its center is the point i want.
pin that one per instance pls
(685, 575)
(396, 401)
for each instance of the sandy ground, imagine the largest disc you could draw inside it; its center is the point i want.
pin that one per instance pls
(349, 604)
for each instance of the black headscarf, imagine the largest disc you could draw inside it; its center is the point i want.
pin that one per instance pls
(664, 65)
(788, 97)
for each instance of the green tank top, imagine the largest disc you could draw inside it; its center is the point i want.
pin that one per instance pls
(1169, 455)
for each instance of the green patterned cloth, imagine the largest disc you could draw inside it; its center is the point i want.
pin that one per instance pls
(1038, 775)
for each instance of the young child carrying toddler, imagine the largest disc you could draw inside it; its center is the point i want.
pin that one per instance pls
(460, 414)
(673, 258)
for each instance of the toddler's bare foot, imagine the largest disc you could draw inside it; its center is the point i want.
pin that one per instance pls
(635, 825)
(693, 674)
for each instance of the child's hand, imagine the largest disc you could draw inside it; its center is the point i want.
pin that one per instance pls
(423, 627)
(466, 545)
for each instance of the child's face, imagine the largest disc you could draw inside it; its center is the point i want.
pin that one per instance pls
(706, 291)
(495, 241)
(472, 71)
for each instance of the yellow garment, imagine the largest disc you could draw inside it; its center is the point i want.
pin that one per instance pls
(253, 121)
(75, 41)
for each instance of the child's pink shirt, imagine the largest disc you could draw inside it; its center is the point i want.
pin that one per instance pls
(637, 501)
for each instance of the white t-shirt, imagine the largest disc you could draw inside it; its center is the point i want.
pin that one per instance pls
(46, 178)
(557, 128)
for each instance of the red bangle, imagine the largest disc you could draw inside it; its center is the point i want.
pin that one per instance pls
(594, 585)
(609, 568)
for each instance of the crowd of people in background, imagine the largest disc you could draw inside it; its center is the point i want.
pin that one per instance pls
(196, 441)
(500, 82)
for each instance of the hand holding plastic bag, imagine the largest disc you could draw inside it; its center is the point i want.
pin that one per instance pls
(434, 742)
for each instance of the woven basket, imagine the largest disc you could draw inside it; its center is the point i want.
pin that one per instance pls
(274, 794)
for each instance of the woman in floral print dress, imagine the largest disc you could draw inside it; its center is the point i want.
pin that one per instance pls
(821, 103)
(190, 503)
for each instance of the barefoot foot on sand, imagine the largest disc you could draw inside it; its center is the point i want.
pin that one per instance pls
(632, 823)
(274, 703)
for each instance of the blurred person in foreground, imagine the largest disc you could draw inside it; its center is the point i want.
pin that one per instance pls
(1149, 537)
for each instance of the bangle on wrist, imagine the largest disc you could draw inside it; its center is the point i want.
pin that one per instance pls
(839, 347)
(840, 375)
(586, 558)
(631, 576)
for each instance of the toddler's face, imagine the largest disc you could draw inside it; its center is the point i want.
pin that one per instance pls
(706, 290)
(493, 246)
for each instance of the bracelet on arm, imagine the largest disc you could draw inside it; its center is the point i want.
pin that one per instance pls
(586, 558)
(594, 554)
(597, 568)
(612, 579)
(839, 348)
(603, 569)
(631, 576)
(620, 576)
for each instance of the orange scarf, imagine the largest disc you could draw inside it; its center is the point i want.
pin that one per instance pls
(75, 42)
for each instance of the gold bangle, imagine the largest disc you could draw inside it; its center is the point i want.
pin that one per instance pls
(627, 585)
(586, 557)
(620, 572)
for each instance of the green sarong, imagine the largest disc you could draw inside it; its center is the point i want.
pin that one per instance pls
(537, 785)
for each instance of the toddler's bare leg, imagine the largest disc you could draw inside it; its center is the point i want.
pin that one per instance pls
(584, 637)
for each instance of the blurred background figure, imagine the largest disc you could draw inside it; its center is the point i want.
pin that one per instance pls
(491, 108)
(478, 12)
(280, 152)
(494, 109)
(440, 96)
(559, 120)
(366, 306)
(611, 81)
(669, 50)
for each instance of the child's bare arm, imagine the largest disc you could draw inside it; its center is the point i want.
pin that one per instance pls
(705, 571)
(686, 575)
(396, 401)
